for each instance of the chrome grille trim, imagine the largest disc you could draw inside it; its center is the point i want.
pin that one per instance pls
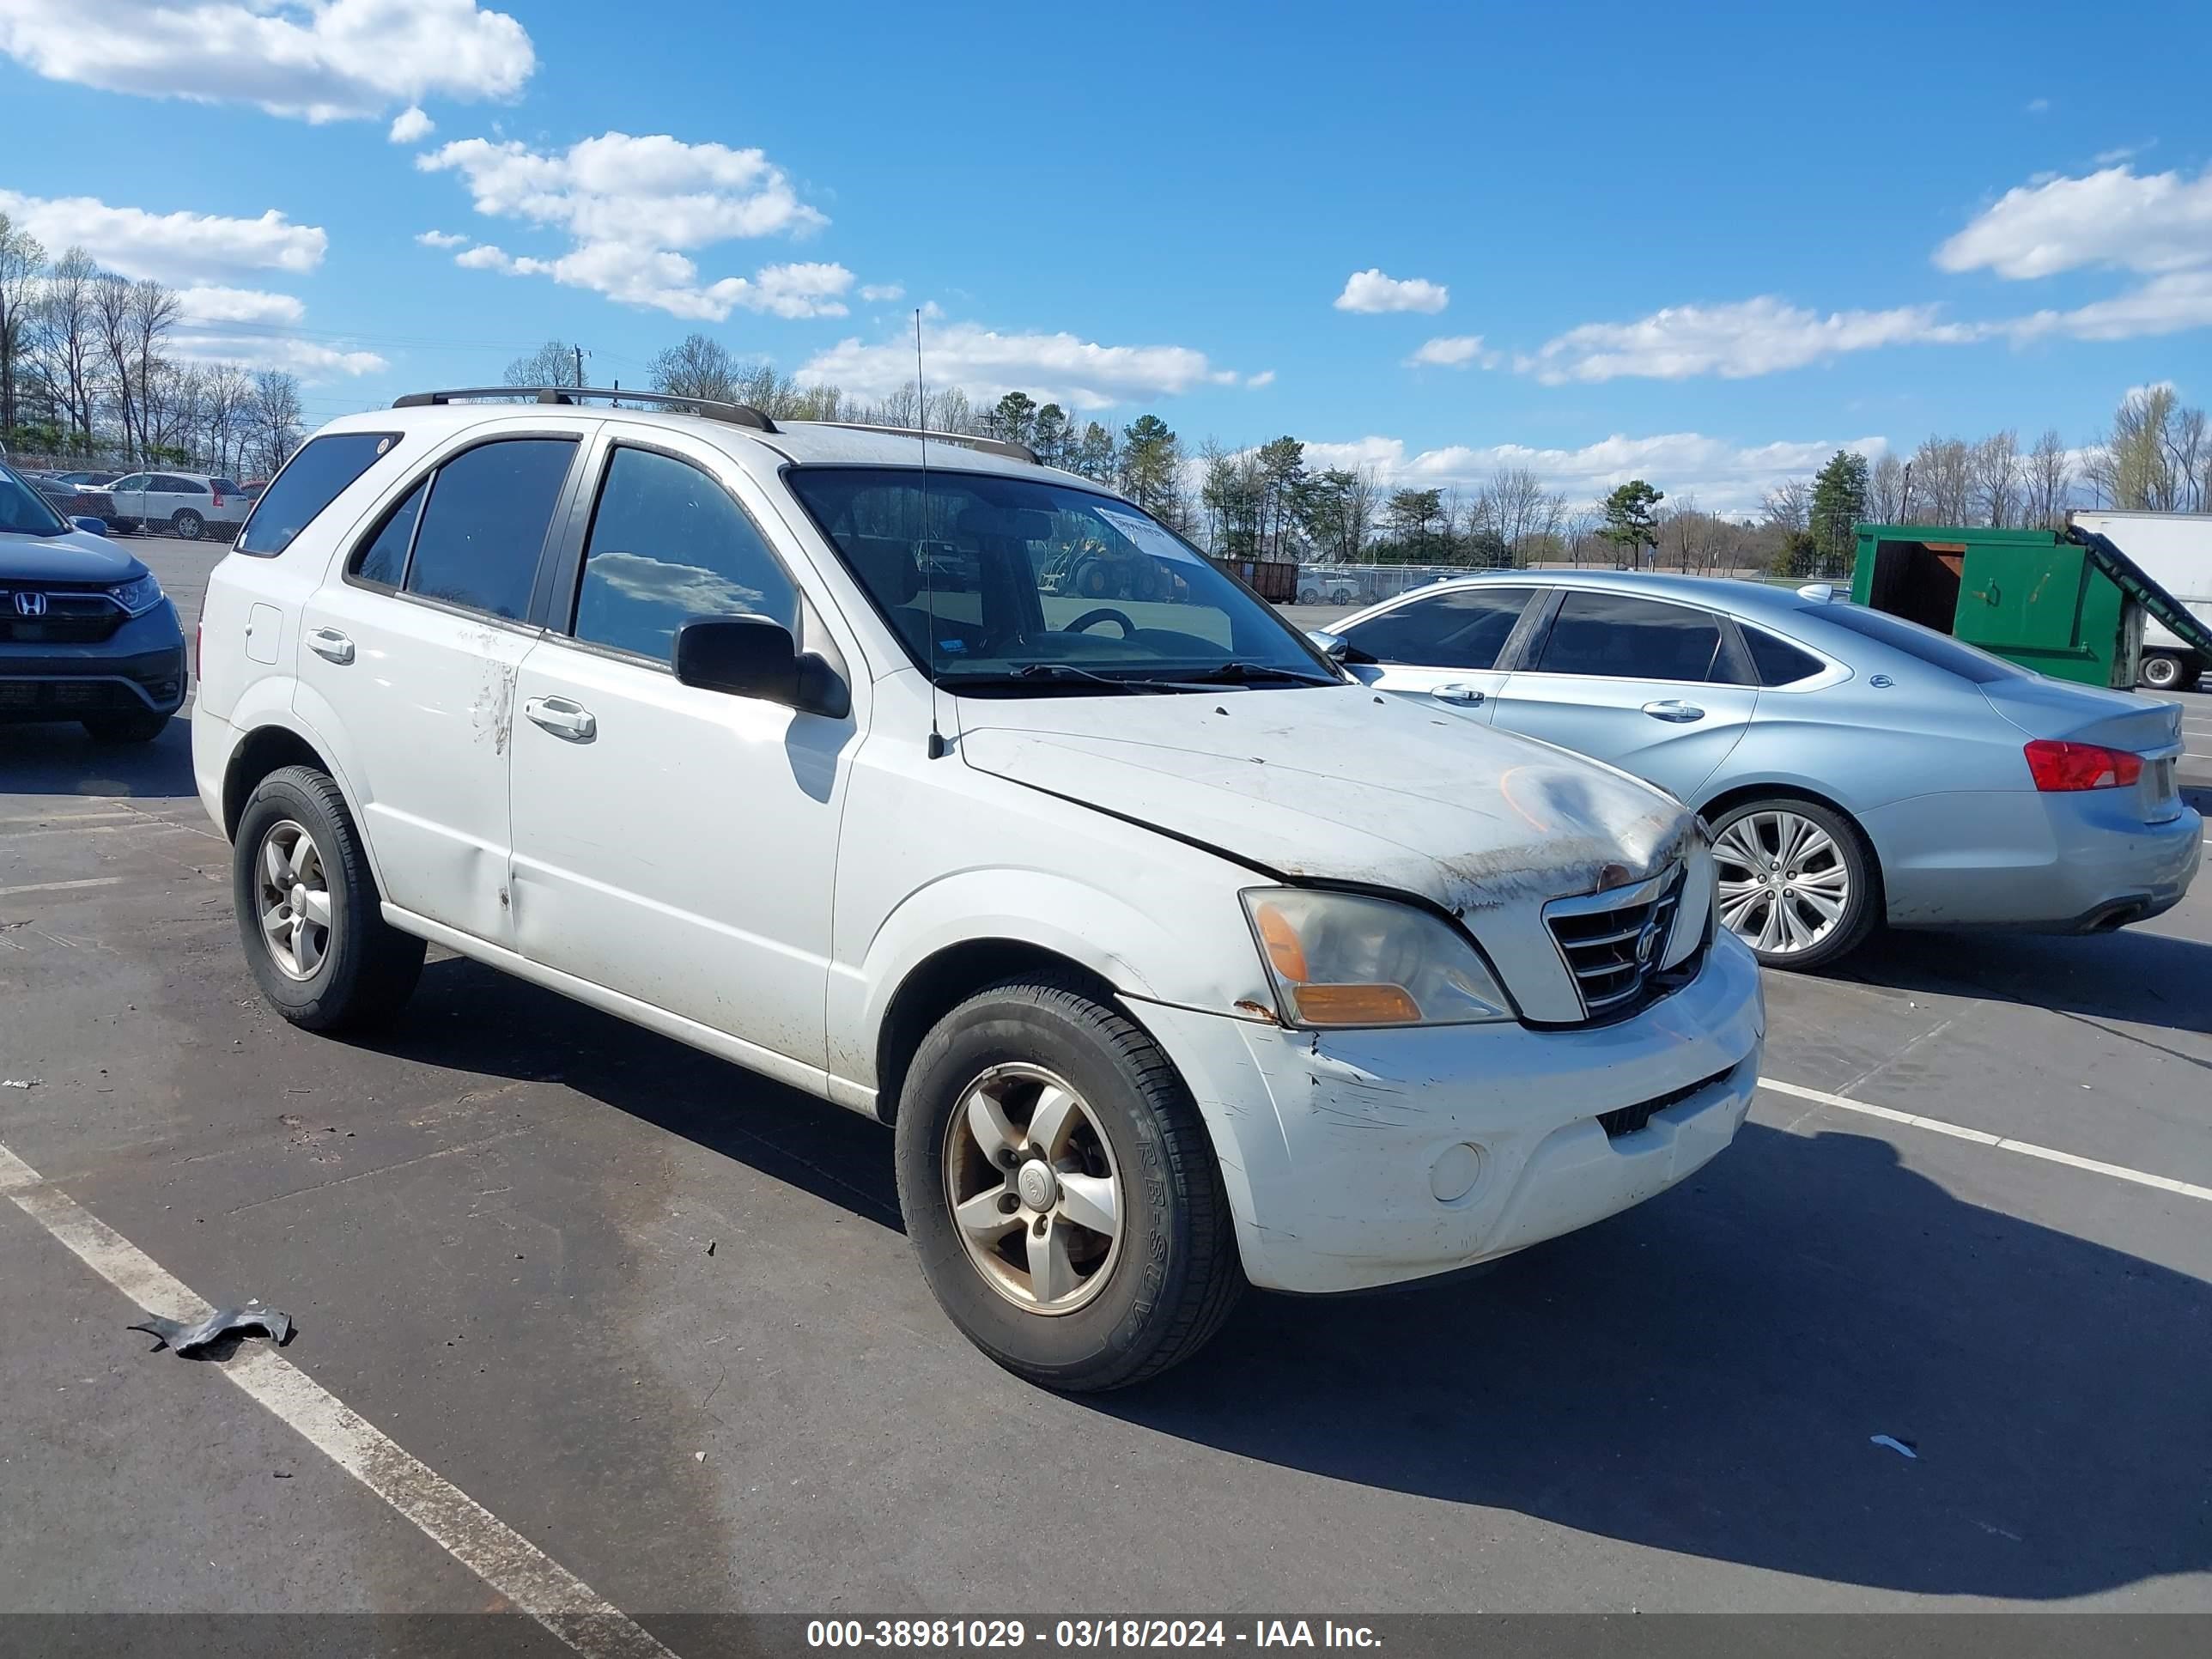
(1614, 942)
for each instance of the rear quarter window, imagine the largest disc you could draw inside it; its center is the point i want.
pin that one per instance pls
(1778, 662)
(310, 481)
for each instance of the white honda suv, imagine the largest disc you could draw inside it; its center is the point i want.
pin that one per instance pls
(1177, 959)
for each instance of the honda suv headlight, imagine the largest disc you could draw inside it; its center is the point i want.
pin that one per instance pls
(1346, 959)
(138, 595)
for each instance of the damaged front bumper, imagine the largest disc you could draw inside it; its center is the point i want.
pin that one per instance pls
(1355, 1159)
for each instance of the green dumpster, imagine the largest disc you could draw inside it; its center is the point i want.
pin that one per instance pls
(2032, 596)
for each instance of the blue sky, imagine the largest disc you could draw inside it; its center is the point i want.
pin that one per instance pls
(1706, 250)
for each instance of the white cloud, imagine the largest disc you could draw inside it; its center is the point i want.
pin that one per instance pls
(172, 247)
(309, 359)
(1724, 476)
(1265, 377)
(2148, 223)
(1737, 340)
(324, 60)
(411, 126)
(1452, 351)
(236, 304)
(2038, 106)
(986, 365)
(630, 206)
(440, 239)
(1370, 290)
(2164, 305)
(874, 292)
(669, 282)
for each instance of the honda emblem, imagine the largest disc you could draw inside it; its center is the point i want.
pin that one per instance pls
(30, 604)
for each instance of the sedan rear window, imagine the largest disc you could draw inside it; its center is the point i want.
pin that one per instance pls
(310, 481)
(1936, 650)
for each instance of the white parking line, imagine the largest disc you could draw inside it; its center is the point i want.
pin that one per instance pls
(60, 886)
(531, 1580)
(1983, 1138)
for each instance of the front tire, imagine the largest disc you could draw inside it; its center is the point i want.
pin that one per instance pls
(1060, 1189)
(188, 525)
(308, 910)
(1798, 882)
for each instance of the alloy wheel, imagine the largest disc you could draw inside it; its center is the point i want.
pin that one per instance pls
(1035, 1193)
(295, 899)
(1784, 884)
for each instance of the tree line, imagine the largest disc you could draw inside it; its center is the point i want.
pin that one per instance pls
(88, 374)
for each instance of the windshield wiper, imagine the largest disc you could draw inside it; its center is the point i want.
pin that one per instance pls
(1250, 673)
(1060, 675)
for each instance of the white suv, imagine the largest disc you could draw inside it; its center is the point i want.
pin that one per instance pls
(1177, 959)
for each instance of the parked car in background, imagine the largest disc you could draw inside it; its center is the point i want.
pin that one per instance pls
(85, 480)
(183, 504)
(1856, 769)
(86, 633)
(1176, 957)
(252, 488)
(1317, 589)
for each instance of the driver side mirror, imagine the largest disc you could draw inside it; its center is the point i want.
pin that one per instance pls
(1335, 647)
(754, 657)
(91, 527)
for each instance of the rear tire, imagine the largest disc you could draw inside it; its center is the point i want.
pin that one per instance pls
(188, 525)
(1114, 1307)
(313, 931)
(1799, 883)
(141, 726)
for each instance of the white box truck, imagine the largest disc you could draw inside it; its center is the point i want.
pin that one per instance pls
(2174, 549)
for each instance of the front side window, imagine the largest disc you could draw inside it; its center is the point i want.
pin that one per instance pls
(1003, 584)
(134, 481)
(1622, 637)
(667, 545)
(310, 481)
(484, 525)
(1465, 627)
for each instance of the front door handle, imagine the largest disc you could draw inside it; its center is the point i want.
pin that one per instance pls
(329, 642)
(1457, 691)
(1675, 711)
(563, 718)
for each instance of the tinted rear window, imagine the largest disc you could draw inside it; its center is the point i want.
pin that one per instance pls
(481, 535)
(310, 481)
(1778, 662)
(1936, 650)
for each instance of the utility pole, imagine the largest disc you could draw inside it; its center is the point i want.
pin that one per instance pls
(580, 365)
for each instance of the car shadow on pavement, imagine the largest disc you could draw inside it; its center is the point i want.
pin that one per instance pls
(48, 759)
(475, 1019)
(2134, 975)
(1706, 1375)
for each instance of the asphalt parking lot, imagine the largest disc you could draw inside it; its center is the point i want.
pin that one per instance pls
(656, 1317)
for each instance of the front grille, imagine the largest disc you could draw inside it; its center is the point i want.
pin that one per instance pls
(1614, 942)
(68, 617)
(1629, 1119)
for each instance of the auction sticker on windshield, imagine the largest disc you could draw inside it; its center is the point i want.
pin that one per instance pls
(1147, 535)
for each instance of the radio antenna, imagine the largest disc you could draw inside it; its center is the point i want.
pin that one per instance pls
(921, 542)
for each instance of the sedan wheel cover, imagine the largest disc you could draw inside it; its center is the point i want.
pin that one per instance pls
(1785, 885)
(1034, 1196)
(294, 900)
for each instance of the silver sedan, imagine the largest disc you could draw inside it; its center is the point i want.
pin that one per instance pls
(1856, 768)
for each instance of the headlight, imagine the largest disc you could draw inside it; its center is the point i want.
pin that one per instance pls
(137, 596)
(1345, 959)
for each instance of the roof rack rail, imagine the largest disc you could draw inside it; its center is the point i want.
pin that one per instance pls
(1006, 447)
(712, 409)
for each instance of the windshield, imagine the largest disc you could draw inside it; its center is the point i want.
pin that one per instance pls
(1936, 650)
(1005, 583)
(23, 511)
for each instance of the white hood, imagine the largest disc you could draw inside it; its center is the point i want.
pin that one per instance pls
(1339, 784)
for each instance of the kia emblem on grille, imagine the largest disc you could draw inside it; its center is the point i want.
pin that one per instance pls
(1646, 943)
(30, 604)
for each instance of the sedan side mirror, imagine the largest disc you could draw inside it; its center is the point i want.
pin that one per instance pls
(755, 657)
(91, 527)
(1332, 645)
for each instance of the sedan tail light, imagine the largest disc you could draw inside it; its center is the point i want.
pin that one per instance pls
(2059, 767)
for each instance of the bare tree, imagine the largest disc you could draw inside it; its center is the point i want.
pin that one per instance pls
(2131, 467)
(1789, 504)
(111, 307)
(226, 402)
(1993, 466)
(153, 312)
(68, 334)
(2186, 457)
(2049, 477)
(554, 363)
(1886, 489)
(1942, 482)
(22, 258)
(699, 368)
(276, 417)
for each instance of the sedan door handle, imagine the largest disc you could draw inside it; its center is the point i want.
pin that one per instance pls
(1675, 711)
(1457, 691)
(329, 642)
(563, 718)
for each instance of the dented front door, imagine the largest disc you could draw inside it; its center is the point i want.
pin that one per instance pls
(425, 696)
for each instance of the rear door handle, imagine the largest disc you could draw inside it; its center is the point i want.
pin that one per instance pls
(329, 642)
(563, 718)
(1675, 711)
(1457, 691)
